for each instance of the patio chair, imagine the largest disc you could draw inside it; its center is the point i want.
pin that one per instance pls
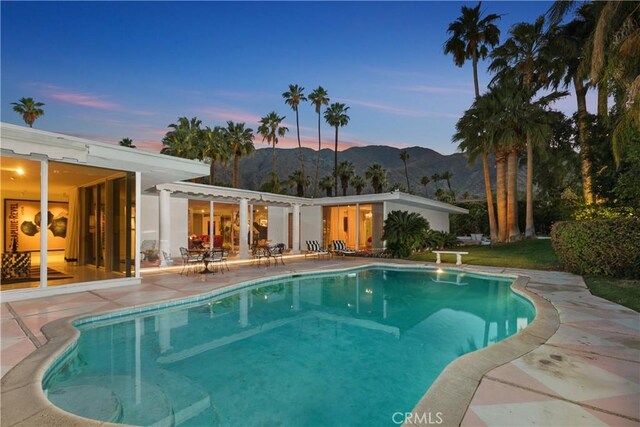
(189, 260)
(259, 252)
(314, 249)
(340, 247)
(276, 252)
(216, 256)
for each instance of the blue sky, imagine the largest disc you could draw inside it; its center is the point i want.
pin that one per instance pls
(109, 70)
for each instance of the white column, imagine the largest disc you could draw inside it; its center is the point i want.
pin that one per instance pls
(251, 225)
(44, 231)
(165, 225)
(244, 208)
(296, 229)
(137, 229)
(212, 232)
(357, 227)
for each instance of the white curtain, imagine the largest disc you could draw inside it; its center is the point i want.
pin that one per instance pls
(72, 241)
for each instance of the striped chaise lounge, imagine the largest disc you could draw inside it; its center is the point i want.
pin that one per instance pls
(314, 248)
(340, 247)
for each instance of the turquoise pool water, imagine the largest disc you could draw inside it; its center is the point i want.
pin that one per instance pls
(326, 350)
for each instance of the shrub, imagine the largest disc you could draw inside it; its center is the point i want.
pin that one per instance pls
(402, 231)
(609, 247)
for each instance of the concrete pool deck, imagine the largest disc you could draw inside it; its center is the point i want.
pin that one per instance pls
(580, 366)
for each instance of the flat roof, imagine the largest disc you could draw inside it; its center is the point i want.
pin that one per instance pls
(155, 168)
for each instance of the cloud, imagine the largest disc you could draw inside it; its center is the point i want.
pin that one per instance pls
(399, 111)
(433, 89)
(224, 114)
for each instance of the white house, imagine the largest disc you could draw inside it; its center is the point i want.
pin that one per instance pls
(103, 201)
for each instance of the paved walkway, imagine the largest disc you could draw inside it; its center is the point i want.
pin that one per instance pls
(588, 373)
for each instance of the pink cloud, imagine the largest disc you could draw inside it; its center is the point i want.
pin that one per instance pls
(397, 110)
(224, 114)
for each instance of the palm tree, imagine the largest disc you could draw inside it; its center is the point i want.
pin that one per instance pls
(471, 38)
(435, 178)
(358, 183)
(216, 149)
(403, 231)
(377, 175)
(327, 183)
(345, 171)
(425, 181)
(29, 110)
(446, 176)
(404, 156)
(184, 140)
(240, 142)
(298, 181)
(126, 142)
(292, 97)
(336, 116)
(318, 98)
(271, 130)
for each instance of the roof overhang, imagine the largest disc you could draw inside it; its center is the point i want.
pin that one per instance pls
(155, 168)
(394, 196)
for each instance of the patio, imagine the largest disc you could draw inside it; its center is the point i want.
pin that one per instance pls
(586, 370)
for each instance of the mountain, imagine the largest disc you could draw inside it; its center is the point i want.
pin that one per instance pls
(255, 169)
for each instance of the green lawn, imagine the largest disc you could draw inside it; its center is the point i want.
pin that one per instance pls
(539, 255)
(623, 292)
(534, 254)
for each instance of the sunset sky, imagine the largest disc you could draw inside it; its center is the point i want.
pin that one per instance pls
(109, 70)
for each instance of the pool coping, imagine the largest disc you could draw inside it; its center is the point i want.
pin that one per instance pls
(23, 401)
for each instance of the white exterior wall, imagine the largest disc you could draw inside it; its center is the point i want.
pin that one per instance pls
(150, 221)
(310, 225)
(278, 225)
(438, 221)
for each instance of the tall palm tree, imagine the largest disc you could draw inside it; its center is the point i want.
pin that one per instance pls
(126, 142)
(436, 178)
(327, 183)
(240, 142)
(298, 181)
(184, 140)
(358, 183)
(526, 56)
(336, 116)
(318, 98)
(216, 149)
(293, 97)
(404, 156)
(345, 171)
(471, 38)
(446, 176)
(29, 110)
(377, 175)
(425, 181)
(270, 130)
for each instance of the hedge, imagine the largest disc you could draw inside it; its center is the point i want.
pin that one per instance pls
(608, 247)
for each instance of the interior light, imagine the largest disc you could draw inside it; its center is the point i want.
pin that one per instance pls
(20, 171)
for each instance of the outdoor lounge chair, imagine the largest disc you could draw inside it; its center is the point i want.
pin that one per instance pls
(314, 248)
(189, 260)
(340, 247)
(276, 252)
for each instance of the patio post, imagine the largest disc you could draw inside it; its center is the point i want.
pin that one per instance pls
(165, 226)
(296, 229)
(211, 230)
(244, 208)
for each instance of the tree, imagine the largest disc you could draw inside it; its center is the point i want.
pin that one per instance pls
(184, 140)
(336, 116)
(403, 232)
(126, 142)
(271, 130)
(425, 181)
(293, 97)
(240, 142)
(318, 98)
(327, 183)
(345, 171)
(377, 175)
(471, 38)
(29, 110)
(216, 149)
(358, 183)
(404, 156)
(435, 178)
(528, 57)
(446, 176)
(298, 181)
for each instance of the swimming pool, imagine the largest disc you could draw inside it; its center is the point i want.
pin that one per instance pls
(347, 348)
